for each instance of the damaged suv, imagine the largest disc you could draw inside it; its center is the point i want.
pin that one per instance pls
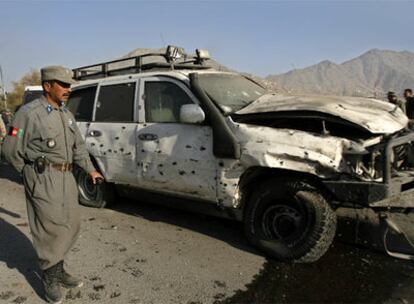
(281, 164)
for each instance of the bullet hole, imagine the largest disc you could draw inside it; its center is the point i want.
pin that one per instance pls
(115, 151)
(202, 148)
(101, 145)
(281, 162)
(221, 164)
(88, 124)
(215, 178)
(104, 153)
(129, 153)
(306, 153)
(174, 163)
(116, 138)
(193, 160)
(109, 150)
(188, 146)
(181, 172)
(143, 151)
(159, 151)
(225, 185)
(123, 127)
(144, 125)
(92, 144)
(160, 165)
(122, 149)
(193, 172)
(161, 173)
(139, 164)
(234, 185)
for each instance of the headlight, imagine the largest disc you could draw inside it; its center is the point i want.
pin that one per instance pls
(364, 163)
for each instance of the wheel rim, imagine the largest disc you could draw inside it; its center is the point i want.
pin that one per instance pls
(86, 187)
(282, 222)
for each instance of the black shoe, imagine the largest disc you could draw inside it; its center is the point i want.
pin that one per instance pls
(51, 285)
(65, 279)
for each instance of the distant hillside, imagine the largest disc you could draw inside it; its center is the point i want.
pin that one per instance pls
(371, 74)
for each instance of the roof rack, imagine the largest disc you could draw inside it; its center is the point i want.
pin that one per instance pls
(136, 64)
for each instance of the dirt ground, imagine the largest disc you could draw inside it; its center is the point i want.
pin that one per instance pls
(137, 252)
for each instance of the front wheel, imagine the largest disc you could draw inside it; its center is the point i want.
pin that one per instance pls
(290, 220)
(93, 195)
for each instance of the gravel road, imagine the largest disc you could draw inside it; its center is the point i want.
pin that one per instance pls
(136, 252)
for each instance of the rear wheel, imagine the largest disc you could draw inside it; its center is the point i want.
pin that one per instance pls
(290, 220)
(93, 195)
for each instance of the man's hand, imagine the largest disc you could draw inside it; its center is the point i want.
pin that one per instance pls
(95, 175)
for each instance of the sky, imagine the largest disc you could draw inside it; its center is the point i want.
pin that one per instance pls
(258, 37)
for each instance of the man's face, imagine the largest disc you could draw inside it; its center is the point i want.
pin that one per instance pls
(407, 94)
(391, 98)
(58, 91)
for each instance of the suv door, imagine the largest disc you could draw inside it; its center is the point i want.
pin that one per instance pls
(110, 137)
(175, 157)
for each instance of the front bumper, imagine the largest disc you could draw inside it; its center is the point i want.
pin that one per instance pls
(396, 190)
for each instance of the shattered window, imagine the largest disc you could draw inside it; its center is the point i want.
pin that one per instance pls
(81, 103)
(163, 101)
(116, 103)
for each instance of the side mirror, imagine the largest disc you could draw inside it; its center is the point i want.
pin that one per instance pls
(191, 113)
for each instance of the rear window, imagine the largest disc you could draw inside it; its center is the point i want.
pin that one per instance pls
(81, 103)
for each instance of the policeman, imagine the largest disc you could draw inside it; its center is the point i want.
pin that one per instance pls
(392, 98)
(43, 143)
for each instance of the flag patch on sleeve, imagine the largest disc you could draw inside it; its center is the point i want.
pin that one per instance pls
(15, 132)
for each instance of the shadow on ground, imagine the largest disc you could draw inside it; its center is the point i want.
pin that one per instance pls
(346, 274)
(7, 172)
(228, 231)
(17, 252)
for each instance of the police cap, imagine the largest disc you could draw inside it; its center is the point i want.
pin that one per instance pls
(58, 73)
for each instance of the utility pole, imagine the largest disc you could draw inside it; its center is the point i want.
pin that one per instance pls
(3, 94)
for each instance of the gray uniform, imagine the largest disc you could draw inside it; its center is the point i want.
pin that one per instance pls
(52, 197)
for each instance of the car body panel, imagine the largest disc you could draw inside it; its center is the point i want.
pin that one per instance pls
(376, 116)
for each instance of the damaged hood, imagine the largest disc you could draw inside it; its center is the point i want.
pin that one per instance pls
(376, 116)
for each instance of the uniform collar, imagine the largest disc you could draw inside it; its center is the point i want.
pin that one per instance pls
(49, 107)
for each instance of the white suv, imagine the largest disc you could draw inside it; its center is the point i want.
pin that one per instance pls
(281, 164)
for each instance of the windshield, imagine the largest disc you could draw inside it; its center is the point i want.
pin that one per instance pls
(230, 92)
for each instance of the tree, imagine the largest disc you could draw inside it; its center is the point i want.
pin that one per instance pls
(14, 98)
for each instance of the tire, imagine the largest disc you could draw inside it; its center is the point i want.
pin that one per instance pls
(290, 221)
(98, 195)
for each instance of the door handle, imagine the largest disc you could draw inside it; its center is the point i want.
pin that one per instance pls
(94, 133)
(147, 136)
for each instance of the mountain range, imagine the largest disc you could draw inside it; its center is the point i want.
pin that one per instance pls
(371, 74)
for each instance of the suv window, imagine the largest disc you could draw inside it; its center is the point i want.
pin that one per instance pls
(81, 103)
(163, 101)
(116, 103)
